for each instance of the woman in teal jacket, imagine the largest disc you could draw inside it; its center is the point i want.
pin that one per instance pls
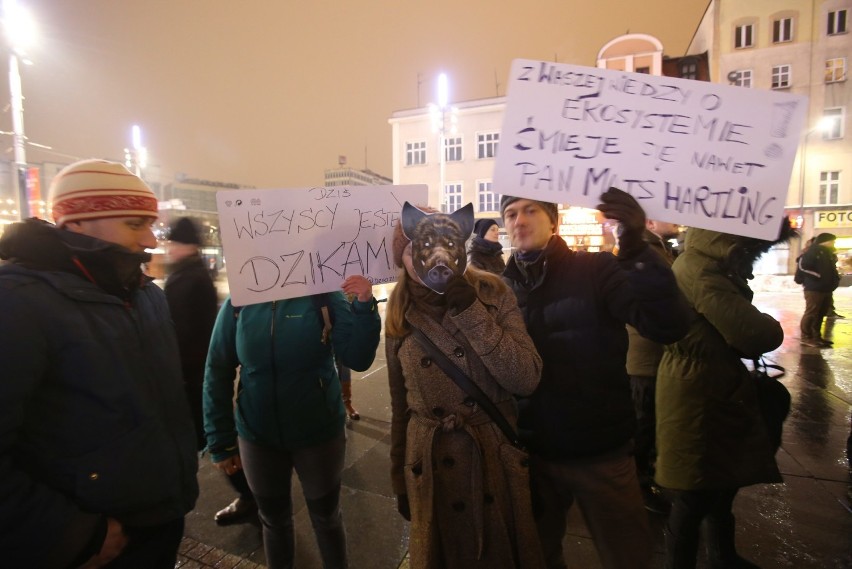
(289, 410)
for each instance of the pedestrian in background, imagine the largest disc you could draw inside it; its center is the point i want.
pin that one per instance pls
(461, 483)
(484, 249)
(289, 410)
(818, 266)
(97, 448)
(711, 437)
(643, 359)
(193, 304)
(580, 419)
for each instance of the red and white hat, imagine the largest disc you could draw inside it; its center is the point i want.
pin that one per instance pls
(97, 189)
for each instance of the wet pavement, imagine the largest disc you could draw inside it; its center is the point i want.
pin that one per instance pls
(802, 524)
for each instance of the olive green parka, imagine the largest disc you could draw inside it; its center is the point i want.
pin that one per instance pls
(710, 434)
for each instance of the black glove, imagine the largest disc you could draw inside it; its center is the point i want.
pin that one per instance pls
(624, 208)
(460, 294)
(402, 506)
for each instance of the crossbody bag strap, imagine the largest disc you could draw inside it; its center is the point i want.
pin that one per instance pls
(467, 385)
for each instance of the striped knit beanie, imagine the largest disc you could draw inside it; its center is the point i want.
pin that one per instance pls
(98, 189)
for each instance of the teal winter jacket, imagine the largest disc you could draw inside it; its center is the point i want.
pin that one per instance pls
(289, 394)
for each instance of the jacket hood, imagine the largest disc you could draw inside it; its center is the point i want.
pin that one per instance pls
(735, 253)
(39, 245)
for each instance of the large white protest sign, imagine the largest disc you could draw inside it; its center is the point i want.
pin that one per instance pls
(695, 153)
(294, 242)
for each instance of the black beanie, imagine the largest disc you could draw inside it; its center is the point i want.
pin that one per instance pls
(183, 230)
(824, 238)
(481, 227)
(549, 208)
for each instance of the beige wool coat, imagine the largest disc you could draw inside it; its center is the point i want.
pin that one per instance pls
(468, 487)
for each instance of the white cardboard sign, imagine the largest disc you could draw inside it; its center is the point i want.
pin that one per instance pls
(294, 242)
(695, 153)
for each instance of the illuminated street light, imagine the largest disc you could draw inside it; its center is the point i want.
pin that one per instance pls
(439, 114)
(20, 33)
(824, 126)
(136, 159)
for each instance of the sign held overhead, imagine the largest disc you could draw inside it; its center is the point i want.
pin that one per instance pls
(691, 152)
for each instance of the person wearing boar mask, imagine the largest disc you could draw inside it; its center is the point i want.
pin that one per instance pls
(711, 437)
(580, 420)
(463, 486)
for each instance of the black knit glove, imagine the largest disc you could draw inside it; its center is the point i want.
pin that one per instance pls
(403, 507)
(624, 208)
(460, 294)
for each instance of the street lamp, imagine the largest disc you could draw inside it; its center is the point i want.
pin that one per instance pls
(823, 126)
(138, 157)
(20, 32)
(439, 114)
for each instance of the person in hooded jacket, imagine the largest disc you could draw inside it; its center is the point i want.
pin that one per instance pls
(484, 251)
(711, 438)
(97, 448)
(462, 484)
(818, 270)
(289, 409)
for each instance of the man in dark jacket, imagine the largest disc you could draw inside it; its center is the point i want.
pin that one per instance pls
(194, 305)
(818, 266)
(643, 358)
(97, 449)
(580, 420)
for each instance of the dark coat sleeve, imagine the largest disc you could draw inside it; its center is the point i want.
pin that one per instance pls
(642, 291)
(193, 306)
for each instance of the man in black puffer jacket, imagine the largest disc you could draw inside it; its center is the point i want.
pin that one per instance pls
(580, 421)
(97, 449)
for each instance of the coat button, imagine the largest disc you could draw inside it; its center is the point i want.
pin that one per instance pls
(94, 476)
(469, 401)
(458, 352)
(438, 411)
(458, 506)
(525, 462)
(425, 362)
(417, 470)
(448, 461)
(489, 499)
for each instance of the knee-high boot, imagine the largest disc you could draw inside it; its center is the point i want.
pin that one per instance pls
(347, 400)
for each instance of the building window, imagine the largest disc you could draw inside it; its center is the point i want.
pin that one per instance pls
(836, 22)
(645, 70)
(829, 187)
(834, 123)
(780, 76)
(835, 70)
(486, 144)
(782, 30)
(453, 147)
(743, 78)
(689, 70)
(415, 153)
(452, 197)
(488, 200)
(744, 36)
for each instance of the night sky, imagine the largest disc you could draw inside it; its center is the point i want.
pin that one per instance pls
(270, 92)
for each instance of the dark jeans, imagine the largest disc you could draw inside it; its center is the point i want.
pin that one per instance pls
(696, 510)
(152, 547)
(269, 472)
(817, 305)
(606, 490)
(643, 390)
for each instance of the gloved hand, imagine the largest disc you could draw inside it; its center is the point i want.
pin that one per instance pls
(460, 294)
(403, 507)
(624, 208)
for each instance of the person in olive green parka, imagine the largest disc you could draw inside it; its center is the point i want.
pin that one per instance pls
(710, 436)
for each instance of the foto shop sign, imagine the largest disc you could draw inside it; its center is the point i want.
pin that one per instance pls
(691, 152)
(285, 243)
